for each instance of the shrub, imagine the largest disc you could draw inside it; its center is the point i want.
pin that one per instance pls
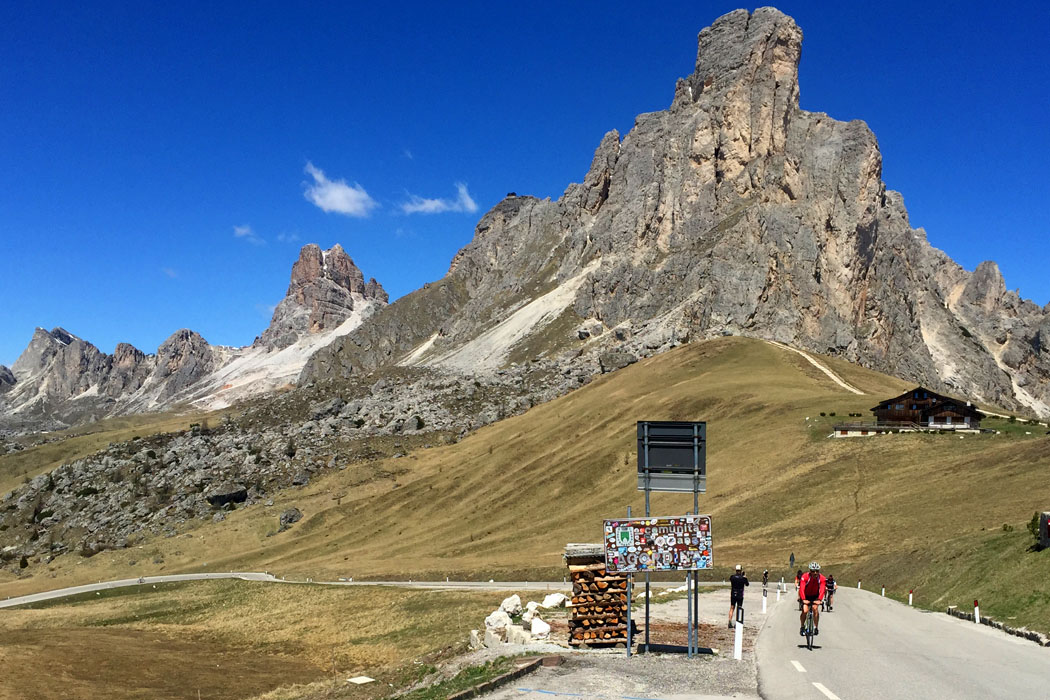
(1033, 527)
(822, 414)
(832, 413)
(1013, 419)
(23, 562)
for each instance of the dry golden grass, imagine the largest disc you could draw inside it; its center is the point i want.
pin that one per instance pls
(301, 632)
(505, 500)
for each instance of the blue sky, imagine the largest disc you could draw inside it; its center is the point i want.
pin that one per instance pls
(161, 164)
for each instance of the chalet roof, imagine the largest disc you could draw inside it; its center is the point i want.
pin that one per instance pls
(938, 401)
(957, 406)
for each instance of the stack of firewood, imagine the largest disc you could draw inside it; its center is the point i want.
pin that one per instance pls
(599, 598)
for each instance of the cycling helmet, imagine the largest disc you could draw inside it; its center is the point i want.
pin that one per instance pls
(814, 566)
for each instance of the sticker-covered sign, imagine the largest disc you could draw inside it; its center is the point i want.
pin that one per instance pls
(658, 544)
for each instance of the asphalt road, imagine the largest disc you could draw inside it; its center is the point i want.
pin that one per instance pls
(104, 585)
(873, 647)
(540, 586)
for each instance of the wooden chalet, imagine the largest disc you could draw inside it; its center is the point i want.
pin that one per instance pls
(928, 409)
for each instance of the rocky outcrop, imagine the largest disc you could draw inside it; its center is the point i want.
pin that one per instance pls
(183, 359)
(732, 212)
(325, 289)
(7, 379)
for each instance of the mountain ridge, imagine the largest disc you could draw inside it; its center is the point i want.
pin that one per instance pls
(733, 212)
(61, 379)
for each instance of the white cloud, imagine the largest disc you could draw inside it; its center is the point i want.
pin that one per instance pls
(420, 205)
(246, 233)
(336, 195)
(169, 272)
(287, 237)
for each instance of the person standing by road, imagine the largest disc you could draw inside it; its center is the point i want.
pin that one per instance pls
(736, 593)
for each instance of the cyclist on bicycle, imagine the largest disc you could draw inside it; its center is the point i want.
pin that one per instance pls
(765, 578)
(831, 590)
(812, 588)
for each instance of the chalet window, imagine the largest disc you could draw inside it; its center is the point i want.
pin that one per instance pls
(915, 407)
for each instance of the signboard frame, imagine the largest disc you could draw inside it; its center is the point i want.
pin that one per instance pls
(670, 543)
(672, 456)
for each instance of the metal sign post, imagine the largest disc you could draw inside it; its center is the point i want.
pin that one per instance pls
(672, 456)
(630, 601)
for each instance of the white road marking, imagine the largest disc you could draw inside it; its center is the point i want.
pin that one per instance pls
(827, 693)
(798, 666)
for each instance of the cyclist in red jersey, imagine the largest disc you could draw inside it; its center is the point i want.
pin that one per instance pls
(811, 590)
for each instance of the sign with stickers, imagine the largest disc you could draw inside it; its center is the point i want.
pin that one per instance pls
(681, 543)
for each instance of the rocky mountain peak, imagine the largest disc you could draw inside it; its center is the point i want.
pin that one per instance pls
(761, 47)
(733, 212)
(325, 289)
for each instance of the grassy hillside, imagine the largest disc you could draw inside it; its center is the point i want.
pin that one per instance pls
(505, 500)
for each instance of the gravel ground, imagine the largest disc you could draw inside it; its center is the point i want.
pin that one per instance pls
(610, 675)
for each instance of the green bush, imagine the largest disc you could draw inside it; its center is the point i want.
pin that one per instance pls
(1033, 527)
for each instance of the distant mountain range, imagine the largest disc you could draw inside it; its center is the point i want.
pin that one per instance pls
(733, 212)
(61, 379)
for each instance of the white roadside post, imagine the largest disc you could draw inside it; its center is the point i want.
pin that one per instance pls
(738, 642)
(976, 612)
(883, 591)
(778, 595)
(909, 597)
(764, 592)
(858, 585)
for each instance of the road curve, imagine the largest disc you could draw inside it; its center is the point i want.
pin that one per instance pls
(873, 647)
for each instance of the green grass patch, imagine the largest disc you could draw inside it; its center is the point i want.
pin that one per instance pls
(467, 678)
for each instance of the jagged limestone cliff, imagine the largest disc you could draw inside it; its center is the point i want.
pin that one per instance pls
(732, 212)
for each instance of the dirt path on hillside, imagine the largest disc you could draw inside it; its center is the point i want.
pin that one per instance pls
(823, 368)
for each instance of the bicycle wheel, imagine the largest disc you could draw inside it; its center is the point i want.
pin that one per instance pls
(809, 631)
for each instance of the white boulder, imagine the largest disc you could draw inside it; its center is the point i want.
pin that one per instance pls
(511, 605)
(555, 600)
(531, 606)
(539, 628)
(497, 620)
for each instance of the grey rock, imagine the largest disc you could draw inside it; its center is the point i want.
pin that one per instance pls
(227, 494)
(614, 360)
(7, 379)
(289, 517)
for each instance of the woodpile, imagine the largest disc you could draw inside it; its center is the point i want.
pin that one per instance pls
(599, 599)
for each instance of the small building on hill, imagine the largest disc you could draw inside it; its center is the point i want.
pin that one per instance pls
(917, 410)
(928, 409)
